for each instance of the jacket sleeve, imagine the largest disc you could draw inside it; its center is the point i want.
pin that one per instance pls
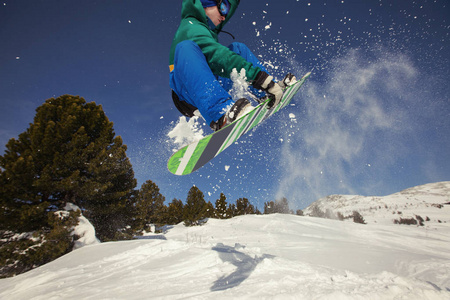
(221, 59)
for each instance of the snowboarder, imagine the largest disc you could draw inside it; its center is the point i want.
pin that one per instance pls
(200, 66)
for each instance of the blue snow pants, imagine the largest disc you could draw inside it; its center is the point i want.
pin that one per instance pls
(193, 81)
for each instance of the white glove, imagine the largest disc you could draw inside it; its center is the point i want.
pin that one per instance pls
(288, 80)
(265, 82)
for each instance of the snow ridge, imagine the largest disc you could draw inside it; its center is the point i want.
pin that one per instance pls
(429, 202)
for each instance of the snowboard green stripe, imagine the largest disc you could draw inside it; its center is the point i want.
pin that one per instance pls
(236, 133)
(196, 155)
(230, 138)
(182, 162)
(245, 122)
(259, 117)
(175, 160)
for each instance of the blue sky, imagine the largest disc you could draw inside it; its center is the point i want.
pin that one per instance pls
(373, 119)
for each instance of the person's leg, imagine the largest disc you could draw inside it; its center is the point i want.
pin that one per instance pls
(193, 82)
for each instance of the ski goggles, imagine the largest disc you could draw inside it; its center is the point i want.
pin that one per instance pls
(224, 7)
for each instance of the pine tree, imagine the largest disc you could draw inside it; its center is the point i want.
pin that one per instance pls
(175, 212)
(269, 208)
(280, 206)
(194, 210)
(150, 208)
(209, 211)
(243, 207)
(68, 154)
(221, 207)
(20, 253)
(232, 211)
(283, 206)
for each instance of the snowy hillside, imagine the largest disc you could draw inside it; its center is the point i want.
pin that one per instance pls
(431, 202)
(265, 257)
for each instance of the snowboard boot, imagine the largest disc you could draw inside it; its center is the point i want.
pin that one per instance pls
(239, 109)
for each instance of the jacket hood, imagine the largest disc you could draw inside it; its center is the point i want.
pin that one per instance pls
(194, 9)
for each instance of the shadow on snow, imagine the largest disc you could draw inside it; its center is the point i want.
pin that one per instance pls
(245, 265)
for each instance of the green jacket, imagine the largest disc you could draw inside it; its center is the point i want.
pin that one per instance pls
(194, 27)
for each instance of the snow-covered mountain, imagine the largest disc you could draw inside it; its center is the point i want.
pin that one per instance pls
(430, 202)
(266, 257)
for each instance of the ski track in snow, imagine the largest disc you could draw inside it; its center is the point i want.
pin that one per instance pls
(264, 257)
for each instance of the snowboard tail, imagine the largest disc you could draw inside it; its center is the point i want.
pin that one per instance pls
(192, 157)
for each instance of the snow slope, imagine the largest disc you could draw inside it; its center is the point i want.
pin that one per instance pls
(264, 257)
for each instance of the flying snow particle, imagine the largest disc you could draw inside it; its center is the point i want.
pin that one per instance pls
(185, 133)
(129, 21)
(227, 168)
(240, 85)
(293, 118)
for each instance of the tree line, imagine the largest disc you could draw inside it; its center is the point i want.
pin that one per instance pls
(70, 154)
(150, 209)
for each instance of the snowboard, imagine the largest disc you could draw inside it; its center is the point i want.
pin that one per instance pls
(194, 156)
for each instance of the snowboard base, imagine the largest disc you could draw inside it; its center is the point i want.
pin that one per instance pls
(192, 157)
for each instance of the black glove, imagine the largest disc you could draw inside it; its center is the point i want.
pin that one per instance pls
(264, 81)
